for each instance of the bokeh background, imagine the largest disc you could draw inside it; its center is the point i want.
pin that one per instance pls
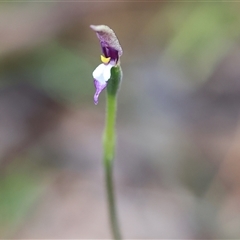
(177, 168)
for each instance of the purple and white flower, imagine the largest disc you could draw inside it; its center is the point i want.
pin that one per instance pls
(111, 52)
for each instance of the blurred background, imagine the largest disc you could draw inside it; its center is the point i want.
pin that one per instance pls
(177, 167)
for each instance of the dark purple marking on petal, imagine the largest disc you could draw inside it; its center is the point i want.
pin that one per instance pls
(109, 52)
(112, 53)
(99, 87)
(104, 50)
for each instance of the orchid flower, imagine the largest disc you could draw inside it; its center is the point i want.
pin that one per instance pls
(109, 75)
(111, 52)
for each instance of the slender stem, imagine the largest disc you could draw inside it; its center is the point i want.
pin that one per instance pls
(108, 158)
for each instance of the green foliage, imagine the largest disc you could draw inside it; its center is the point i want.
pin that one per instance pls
(66, 74)
(204, 36)
(19, 188)
(62, 73)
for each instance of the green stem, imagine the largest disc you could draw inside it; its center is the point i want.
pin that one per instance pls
(108, 158)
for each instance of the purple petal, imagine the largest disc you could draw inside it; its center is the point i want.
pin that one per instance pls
(99, 87)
